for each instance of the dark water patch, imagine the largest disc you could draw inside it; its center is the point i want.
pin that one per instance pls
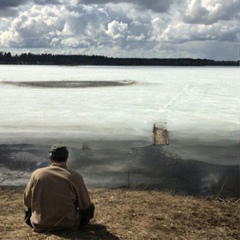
(70, 84)
(190, 176)
(217, 149)
(24, 157)
(142, 167)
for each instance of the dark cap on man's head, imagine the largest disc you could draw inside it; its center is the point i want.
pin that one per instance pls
(58, 151)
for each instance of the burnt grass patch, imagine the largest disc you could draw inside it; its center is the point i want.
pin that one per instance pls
(70, 84)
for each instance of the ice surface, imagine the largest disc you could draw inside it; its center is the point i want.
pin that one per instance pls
(201, 100)
(196, 103)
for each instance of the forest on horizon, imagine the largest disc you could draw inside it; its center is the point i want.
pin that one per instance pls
(60, 59)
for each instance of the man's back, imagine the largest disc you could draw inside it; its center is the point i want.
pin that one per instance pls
(55, 195)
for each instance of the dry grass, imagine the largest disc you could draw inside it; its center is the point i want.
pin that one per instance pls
(133, 214)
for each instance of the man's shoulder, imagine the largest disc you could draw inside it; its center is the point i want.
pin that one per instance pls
(40, 171)
(51, 171)
(74, 173)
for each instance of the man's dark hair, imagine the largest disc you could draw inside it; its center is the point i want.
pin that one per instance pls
(57, 159)
(58, 153)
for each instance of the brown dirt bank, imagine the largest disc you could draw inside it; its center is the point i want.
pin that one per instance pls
(70, 84)
(131, 214)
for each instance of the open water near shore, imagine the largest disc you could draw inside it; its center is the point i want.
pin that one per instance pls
(105, 115)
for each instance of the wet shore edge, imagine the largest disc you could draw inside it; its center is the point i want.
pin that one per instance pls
(121, 163)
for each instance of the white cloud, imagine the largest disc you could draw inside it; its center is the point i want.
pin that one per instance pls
(182, 32)
(122, 28)
(211, 11)
(136, 38)
(116, 29)
(35, 28)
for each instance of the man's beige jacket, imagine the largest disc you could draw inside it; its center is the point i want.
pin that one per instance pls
(56, 195)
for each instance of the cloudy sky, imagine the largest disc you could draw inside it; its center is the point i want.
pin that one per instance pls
(122, 28)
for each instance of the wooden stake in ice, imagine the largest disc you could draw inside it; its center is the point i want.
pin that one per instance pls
(160, 135)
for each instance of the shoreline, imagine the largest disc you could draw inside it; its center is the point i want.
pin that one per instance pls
(122, 163)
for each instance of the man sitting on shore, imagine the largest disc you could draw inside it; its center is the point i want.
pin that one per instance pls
(56, 198)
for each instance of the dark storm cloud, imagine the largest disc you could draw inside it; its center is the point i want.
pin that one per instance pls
(9, 8)
(45, 2)
(8, 12)
(11, 3)
(155, 5)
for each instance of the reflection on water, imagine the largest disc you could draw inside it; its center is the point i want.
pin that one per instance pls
(117, 165)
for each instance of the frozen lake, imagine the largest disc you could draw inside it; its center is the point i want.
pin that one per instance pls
(198, 105)
(201, 101)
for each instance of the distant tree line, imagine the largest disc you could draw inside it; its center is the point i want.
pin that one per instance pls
(58, 59)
